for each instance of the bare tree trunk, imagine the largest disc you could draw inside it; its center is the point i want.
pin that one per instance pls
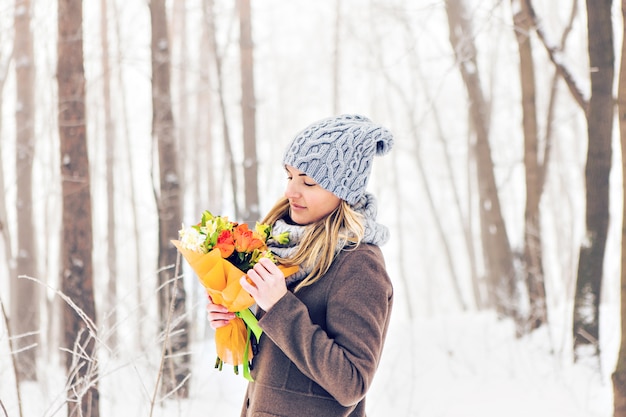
(77, 243)
(217, 57)
(5, 231)
(111, 152)
(497, 248)
(479, 287)
(599, 131)
(186, 154)
(50, 254)
(25, 293)
(619, 376)
(169, 208)
(207, 192)
(533, 258)
(130, 172)
(204, 187)
(248, 112)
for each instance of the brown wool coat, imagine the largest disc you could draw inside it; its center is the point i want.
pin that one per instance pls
(321, 346)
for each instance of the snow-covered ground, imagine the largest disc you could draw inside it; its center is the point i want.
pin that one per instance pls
(454, 366)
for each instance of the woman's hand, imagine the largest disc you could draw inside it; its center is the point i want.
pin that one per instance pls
(218, 315)
(268, 283)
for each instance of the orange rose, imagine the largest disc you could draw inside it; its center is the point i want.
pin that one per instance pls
(246, 240)
(226, 243)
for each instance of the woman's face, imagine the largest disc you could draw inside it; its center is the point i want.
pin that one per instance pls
(308, 202)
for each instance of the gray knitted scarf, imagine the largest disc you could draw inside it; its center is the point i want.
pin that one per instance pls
(375, 234)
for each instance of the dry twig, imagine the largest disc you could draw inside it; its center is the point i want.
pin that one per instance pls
(13, 361)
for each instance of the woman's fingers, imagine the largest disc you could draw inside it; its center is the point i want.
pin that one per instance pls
(266, 270)
(270, 267)
(218, 315)
(265, 283)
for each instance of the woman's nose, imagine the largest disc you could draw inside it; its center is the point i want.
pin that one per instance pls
(291, 191)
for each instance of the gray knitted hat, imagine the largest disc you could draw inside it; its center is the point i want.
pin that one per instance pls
(337, 152)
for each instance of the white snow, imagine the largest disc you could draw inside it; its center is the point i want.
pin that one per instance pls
(468, 364)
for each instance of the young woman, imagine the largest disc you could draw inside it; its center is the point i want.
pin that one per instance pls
(323, 327)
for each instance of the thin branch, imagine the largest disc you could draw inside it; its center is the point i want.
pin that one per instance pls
(4, 69)
(86, 319)
(552, 101)
(555, 56)
(82, 374)
(166, 339)
(13, 361)
(3, 409)
(176, 388)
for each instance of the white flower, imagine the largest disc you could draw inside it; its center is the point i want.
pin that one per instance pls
(209, 228)
(191, 239)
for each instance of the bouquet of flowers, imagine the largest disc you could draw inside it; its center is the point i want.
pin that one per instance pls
(220, 252)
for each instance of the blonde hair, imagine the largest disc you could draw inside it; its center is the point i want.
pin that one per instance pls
(343, 227)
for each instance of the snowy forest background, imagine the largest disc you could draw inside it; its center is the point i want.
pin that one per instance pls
(487, 193)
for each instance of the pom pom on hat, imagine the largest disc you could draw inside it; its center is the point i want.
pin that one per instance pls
(337, 152)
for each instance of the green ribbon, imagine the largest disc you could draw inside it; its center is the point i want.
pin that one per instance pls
(252, 324)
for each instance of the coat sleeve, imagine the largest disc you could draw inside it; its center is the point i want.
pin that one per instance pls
(343, 357)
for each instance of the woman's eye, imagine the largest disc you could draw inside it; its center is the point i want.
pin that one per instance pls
(310, 185)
